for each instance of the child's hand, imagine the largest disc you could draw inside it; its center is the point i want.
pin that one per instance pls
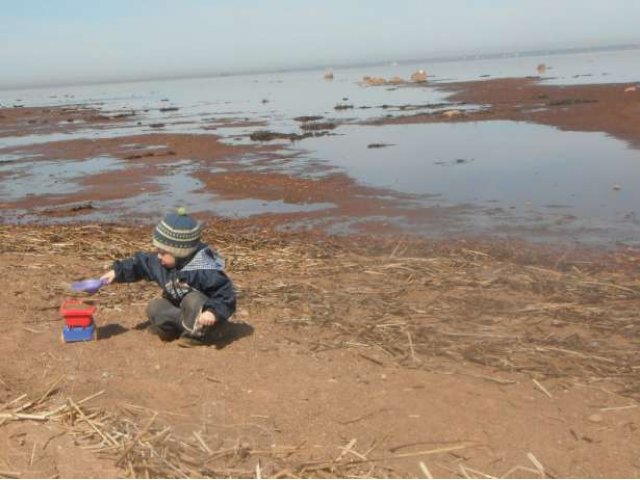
(108, 277)
(207, 318)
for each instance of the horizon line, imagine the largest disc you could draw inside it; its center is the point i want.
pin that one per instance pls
(355, 64)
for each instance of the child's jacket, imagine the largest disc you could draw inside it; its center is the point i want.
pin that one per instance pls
(202, 272)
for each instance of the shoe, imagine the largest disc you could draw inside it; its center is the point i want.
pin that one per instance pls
(219, 333)
(189, 342)
(162, 334)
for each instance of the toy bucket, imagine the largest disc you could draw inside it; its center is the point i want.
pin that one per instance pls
(76, 313)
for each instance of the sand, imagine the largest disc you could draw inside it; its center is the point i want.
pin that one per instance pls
(360, 356)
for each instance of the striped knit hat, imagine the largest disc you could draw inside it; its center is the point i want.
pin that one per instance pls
(178, 234)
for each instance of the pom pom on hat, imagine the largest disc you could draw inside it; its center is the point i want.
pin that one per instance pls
(178, 234)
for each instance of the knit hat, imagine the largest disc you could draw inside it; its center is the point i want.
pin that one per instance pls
(178, 234)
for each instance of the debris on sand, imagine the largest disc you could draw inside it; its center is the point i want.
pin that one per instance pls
(308, 118)
(137, 156)
(419, 76)
(457, 161)
(318, 126)
(570, 101)
(140, 444)
(373, 81)
(520, 297)
(630, 89)
(416, 77)
(343, 106)
(72, 208)
(397, 81)
(169, 109)
(451, 113)
(268, 135)
(106, 117)
(507, 310)
(157, 125)
(379, 145)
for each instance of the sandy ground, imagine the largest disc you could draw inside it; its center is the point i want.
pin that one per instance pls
(609, 108)
(350, 356)
(467, 358)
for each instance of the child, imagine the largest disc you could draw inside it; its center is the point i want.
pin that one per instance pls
(197, 298)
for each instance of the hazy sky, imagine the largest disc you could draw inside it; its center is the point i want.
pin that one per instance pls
(55, 41)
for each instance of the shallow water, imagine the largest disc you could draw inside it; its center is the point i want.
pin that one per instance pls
(277, 98)
(179, 185)
(186, 190)
(42, 177)
(512, 172)
(513, 163)
(487, 176)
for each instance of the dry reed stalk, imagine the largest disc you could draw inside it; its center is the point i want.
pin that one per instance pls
(425, 470)
(15, 400)
(10, 474)
(202, 442)
(314, 466)
(50, 390)
(623, 407)
(537, 464)
(105, 436)
(542, 388)
(519, 468)
(136, 439)
(496, 306)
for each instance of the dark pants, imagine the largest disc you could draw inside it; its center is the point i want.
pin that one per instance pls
(170, 321)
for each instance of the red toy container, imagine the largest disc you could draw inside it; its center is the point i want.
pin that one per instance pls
(76, 313)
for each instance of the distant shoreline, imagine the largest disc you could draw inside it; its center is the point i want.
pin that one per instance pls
(443, 59)
(606, 107)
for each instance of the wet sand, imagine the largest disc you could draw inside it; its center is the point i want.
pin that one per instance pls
(609, 108)
(539, 343)
(23, 121)
(269, 172)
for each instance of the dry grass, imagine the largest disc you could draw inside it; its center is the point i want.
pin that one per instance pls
(143, 447)
(487, 305)
(501, 306)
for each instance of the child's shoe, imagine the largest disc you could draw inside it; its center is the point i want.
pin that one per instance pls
(162, 334)
(188, 342)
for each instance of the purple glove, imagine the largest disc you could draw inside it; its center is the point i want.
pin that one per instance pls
(90, 286)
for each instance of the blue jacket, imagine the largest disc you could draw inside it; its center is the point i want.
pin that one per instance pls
(202, 271)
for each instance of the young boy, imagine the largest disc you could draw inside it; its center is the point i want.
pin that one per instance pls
(197, 298)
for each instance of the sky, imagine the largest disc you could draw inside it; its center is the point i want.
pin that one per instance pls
(49, 42)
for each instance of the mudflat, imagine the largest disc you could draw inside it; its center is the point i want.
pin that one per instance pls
(355, 355)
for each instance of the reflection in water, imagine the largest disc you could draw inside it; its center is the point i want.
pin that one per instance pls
(515, 163)
(178, 187)
(508, 175)
(185, 190)
(50, 177)
(207, 101)
(515, 172)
